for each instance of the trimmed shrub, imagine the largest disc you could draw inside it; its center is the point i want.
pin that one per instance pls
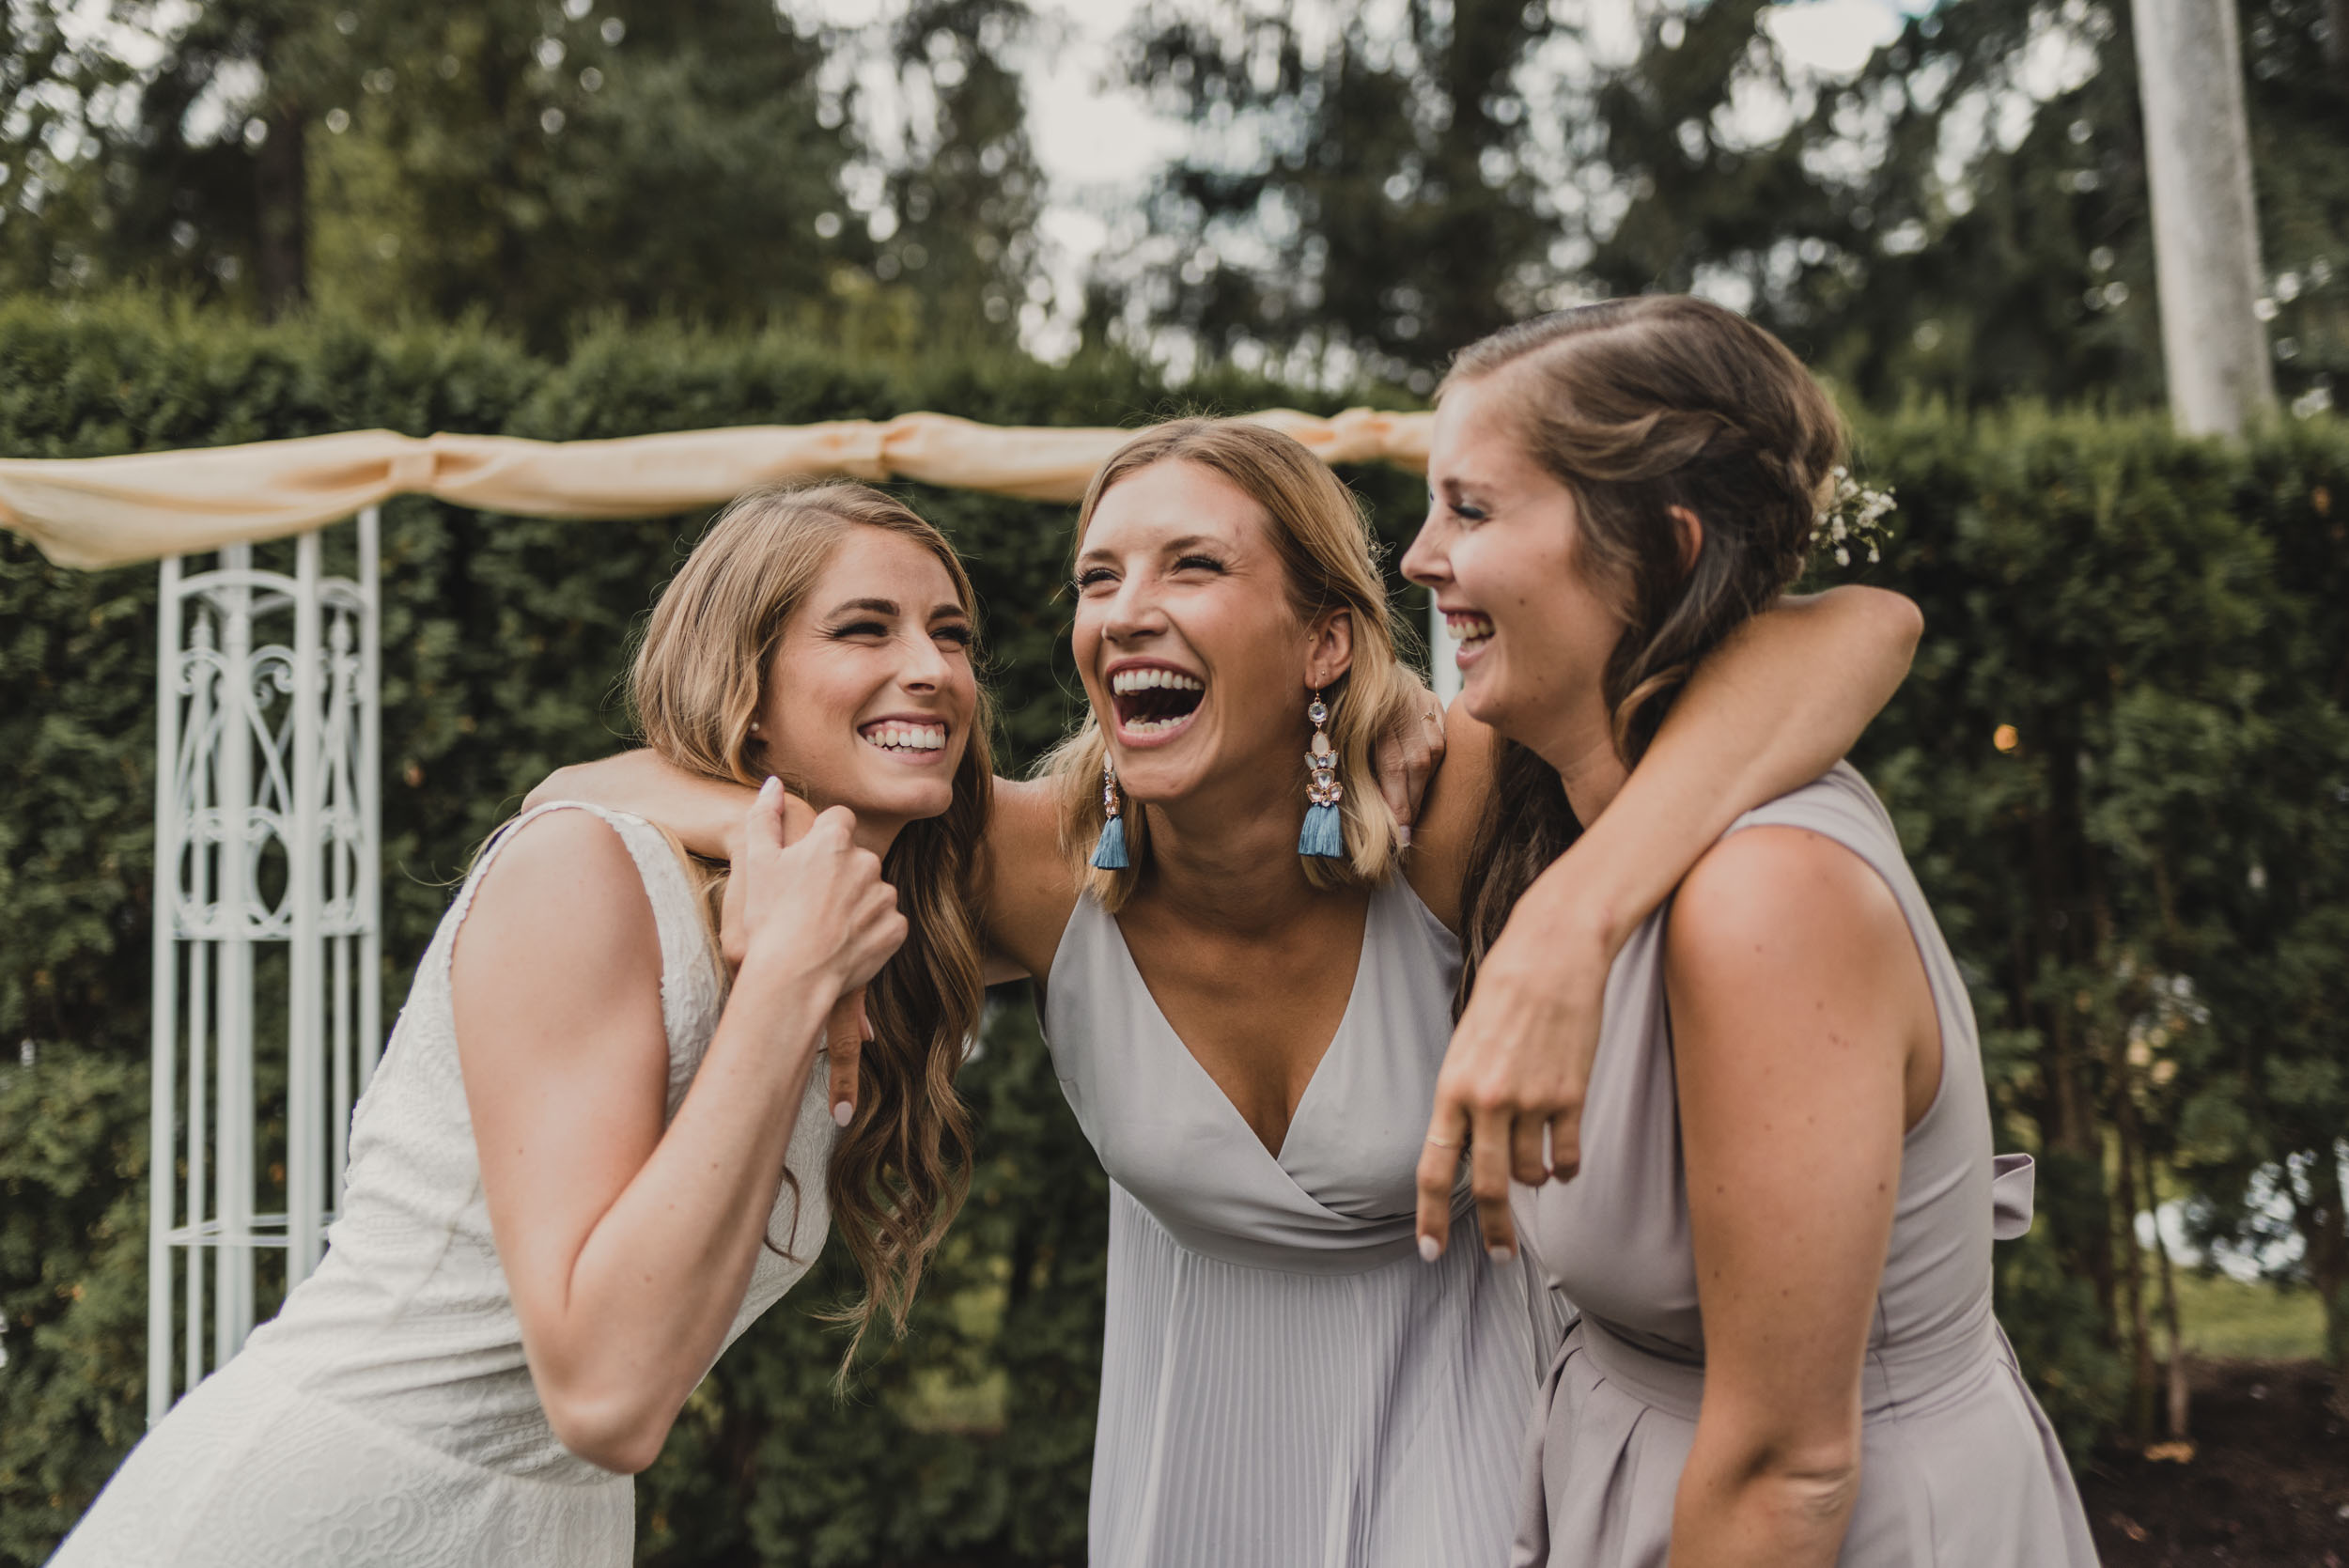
(2147, 879)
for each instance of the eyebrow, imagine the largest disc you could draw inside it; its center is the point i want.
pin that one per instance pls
(888, 606)
(1169, 547)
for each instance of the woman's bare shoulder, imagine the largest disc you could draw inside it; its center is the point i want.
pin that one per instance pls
(1031, 887)
(1456, 797)
(560, 909)
(1783, 916)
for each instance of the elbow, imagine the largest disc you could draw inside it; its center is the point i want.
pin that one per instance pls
(616, 1435)
(1811, 1483)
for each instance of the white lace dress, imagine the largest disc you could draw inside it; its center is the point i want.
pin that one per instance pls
(386, 1414)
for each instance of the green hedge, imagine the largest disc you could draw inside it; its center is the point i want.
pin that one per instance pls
(2158, 620)
(503, 644)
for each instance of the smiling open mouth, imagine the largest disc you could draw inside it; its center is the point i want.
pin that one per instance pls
(898, 735)
(1150, 701)
(1469, 628)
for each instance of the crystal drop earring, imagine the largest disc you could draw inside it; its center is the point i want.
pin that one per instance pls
(1322, 836)
(1109, 854)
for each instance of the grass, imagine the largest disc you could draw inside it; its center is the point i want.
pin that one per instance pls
(2227, 1318)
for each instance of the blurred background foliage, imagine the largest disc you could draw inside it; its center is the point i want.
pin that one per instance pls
(2120, 768)
(2121, 764)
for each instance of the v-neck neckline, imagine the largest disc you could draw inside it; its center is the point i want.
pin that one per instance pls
(1312, 1080)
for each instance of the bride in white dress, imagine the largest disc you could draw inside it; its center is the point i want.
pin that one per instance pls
(589, 1162)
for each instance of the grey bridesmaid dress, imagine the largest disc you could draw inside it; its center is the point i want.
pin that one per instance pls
(1959, 1467)
(1283, 1383)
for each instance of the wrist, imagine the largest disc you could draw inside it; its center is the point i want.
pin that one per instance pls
(1566, 919)
(786, 987)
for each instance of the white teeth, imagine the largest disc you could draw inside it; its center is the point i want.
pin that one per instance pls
(1144, 680)
(907, 737)
(1466, 628)
(1152, 726)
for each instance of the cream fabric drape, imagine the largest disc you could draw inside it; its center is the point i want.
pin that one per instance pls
(90, 512)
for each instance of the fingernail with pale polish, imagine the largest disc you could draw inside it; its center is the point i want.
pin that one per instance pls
(1402, 831)
(843, 1112)
(1501, 1254)
(1428, 1251)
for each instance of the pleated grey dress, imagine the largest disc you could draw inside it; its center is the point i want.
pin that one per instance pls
(1959, 1468)
(1283, 1383)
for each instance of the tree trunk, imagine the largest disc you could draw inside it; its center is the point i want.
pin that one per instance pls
(2206, 256)
(281, 179)
(2322, 1212)
(2174, 1382)
(2131, 1143)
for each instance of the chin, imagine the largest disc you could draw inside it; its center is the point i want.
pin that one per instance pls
(1479, 695)
(1153, 776)
(911, 805)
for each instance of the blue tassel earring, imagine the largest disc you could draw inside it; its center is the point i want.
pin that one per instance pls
(1322, 835)
(1109, 854)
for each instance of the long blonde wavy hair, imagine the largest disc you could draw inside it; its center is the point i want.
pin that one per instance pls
(1323, 541)
(901, 1168)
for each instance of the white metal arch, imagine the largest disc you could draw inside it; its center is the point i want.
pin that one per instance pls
(270, 746)
(268, 757)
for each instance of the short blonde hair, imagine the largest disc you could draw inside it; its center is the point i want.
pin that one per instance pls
(1323, 540)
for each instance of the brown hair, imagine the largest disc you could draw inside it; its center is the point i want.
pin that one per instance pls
(900, 1169)
(1640, 405)
(1319, 532)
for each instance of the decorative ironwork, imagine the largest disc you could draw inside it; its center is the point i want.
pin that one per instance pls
(267, 841)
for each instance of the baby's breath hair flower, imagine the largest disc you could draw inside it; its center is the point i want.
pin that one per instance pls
(1851, 515)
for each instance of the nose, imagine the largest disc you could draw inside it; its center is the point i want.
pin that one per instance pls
(1134, 612)
(925, 665)
(1427, 563)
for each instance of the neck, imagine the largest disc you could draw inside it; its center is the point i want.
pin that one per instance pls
(873, 832)
(1235, 871)
(1582, 749)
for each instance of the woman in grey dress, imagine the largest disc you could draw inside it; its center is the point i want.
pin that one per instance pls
(1780, 1242)
(1246, 989)
(1247, 1018)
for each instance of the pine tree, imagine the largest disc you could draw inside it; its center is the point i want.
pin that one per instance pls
(1361, 202)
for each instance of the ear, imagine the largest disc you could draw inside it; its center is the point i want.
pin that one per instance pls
(1691, 536)
(1330, 650)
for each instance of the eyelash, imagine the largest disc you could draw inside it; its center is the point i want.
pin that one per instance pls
(960, 635)
(1098, 574)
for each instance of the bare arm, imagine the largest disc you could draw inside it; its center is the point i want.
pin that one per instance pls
(1029, 886)
(706, 814)
(1774, 708)
(1797, 1005)
(627, 1247)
